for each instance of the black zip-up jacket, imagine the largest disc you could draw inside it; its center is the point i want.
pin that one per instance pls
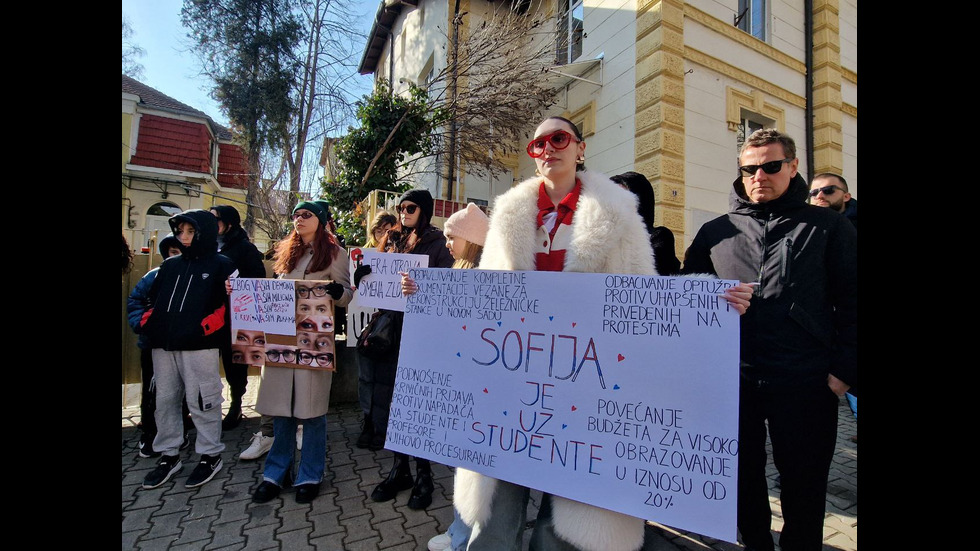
(802, 321)
(188, 296)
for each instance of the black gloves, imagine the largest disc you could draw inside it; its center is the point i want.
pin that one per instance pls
(335, 290)
(361, 271)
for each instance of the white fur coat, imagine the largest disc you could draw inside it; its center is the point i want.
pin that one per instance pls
(608, 236)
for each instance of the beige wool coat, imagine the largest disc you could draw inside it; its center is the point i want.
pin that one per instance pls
(303, 393)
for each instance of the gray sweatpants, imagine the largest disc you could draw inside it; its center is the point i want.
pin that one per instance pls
(193, 373)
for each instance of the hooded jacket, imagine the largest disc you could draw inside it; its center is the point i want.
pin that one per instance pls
(138, 300)
(236, 246)
(661, 238)
(851, 211)
(188, 296)
(802, 324)
(608, 236)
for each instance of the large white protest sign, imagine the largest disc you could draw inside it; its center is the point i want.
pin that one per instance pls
(382, 287)
(615, 390)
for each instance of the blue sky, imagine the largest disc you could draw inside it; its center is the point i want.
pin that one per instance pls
(169, 66)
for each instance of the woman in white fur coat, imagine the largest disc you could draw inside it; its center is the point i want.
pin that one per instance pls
(605, 235)
(574, 220)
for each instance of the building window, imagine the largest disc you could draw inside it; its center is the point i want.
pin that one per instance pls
(752, 16)
(745, 129)
(571, 21)
(167, 209)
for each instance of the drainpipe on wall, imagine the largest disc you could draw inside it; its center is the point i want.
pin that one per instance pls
(808, 47)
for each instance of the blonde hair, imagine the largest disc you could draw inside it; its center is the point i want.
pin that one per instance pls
(471, 255)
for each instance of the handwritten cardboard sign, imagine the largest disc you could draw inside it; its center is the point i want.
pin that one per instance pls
(382, 287)
(616, 390)
(282, 323)
(357, 314)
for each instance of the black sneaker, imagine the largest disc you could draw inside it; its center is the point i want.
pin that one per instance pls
(145, 447)
(167, 467)
(205, 470)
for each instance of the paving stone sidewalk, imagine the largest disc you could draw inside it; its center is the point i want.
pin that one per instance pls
(220, 515)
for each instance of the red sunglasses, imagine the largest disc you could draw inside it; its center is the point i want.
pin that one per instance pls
(559, 140)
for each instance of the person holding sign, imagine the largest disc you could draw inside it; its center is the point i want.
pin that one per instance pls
(566, 218)
(416, 235)
(569, 219)
(291, 394)
(466, 232)
(799, 342)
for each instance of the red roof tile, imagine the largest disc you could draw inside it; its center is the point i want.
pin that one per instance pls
(232, 166)
(172, 144)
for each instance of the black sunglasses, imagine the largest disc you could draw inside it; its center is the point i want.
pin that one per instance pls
(826, 190)
(771, 167)
(410, 209)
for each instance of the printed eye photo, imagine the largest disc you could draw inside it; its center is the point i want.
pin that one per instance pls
(248, 355)
(245, 337)
(279, 354)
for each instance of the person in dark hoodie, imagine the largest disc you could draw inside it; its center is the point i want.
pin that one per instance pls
(415, 235)
(798, 343)
(136, 306)
(233, 242)
(661, 238)
(185, 326)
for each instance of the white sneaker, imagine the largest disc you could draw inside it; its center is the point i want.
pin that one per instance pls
(260, 446)
(299, 437)
(440, 542)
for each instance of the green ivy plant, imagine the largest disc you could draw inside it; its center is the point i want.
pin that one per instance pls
(392, 128)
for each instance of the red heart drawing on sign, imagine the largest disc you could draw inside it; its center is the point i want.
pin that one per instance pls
(574, 408)
(621, 357)
(464, 328)
(573, 324)
(522, 319)
(485, 391)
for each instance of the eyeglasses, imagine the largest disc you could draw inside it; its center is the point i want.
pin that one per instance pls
(826, 190)
(305, 215)
(323, 360)
(317, 291)
(559, 140)
(288, 356)
(771, 167)
(410, 209)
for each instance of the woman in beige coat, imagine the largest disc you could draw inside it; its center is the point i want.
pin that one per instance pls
(310, 252)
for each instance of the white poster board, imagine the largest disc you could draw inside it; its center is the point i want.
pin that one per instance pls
(615, 390)
(357, 315)
(263, 305)
(382, 287)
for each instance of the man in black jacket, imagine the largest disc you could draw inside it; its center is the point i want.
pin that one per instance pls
(233, 242)
(798, 340)
(830, 190)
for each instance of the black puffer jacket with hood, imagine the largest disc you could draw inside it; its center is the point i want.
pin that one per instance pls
(188, 295)
(802, 322)
(236, 246)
